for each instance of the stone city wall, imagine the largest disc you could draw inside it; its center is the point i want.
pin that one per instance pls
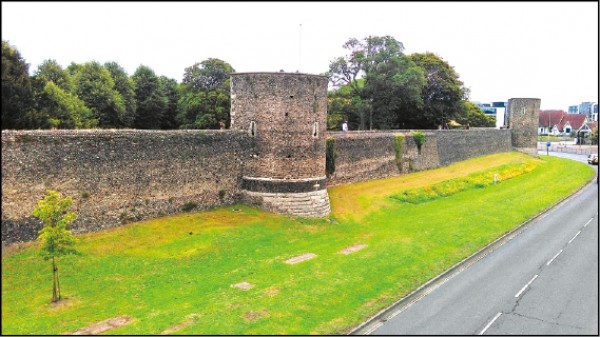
(117, 176)
(363, 156)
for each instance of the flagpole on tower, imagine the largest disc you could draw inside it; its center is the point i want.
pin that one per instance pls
(299, 47)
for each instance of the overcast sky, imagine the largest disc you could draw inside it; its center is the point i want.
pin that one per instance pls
(500, 50)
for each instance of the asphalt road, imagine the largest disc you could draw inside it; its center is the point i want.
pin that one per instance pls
(543, 282)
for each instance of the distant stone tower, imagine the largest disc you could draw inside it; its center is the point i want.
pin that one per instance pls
(522, 119)
(286, 113)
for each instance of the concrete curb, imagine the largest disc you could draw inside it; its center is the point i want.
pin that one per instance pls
(384, 315)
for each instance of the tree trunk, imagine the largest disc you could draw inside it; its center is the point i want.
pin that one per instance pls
(54, 297)
(58, 283)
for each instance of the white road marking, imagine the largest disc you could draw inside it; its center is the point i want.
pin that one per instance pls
(525, 287)
(574, 237)
(555, 256)
(375, 327)
(490, 323)
(587, 223)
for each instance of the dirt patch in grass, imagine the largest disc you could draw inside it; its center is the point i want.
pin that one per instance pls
(352, 249)
(255, 315)
(301, 258)
(243, 285)
(272, 292)
(103, 326)
(189, 319)
(63, 304)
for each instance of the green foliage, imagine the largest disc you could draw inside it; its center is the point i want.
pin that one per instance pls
(204, 100)
(188, 206)
(169, 89)
(17, 92)
(391, 81)
(151, 101)
(420, 138)
(57, 108)
(471, 115)
(125, 86)
(343, 105)
(443, 93)
(95, 86)
(55, 237)
(476, 180)
(399, 144)
(51, 71)
(330, 156)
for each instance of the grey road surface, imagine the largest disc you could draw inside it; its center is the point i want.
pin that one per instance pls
(542, 282)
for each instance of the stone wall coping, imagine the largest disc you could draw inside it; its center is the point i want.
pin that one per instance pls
(63, 132)
(275, 73)
(284, 179)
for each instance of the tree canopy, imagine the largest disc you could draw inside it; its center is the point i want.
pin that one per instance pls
(375, 85)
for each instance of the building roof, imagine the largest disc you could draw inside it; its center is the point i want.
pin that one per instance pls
(575, 120)
(550, 117)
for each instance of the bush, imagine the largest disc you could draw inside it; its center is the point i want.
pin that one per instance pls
(420, 139)
(399, 148)
(188, 206)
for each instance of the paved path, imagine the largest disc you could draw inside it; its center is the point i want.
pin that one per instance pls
(543, 281)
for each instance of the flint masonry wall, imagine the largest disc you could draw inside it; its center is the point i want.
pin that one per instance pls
(119, 176)
(372, 155)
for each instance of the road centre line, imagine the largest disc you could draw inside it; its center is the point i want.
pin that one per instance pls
(574, 237)
(525, 287)
(490, 323)
(587, 223)
(555, 256)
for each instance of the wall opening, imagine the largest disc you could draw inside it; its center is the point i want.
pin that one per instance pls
(315, 130)
(252, 129)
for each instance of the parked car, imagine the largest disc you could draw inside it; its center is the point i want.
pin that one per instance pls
(593, 159)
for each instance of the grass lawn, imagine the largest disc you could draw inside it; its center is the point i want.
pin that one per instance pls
(160, 271)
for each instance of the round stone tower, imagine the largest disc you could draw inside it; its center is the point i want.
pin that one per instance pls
(522, 119)
(286, 114)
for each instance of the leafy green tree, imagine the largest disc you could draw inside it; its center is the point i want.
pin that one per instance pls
(55, 237)
(205, 99)
(345, 104)
(169, 89)
(95, 86)
(207, 75)
(394, 86)
(125, 86)
(471, 115)
(57, 108)
(51, 71)
(443, 93)
(56, 105)
(392, 82)
(151, 101)
(17, 92)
